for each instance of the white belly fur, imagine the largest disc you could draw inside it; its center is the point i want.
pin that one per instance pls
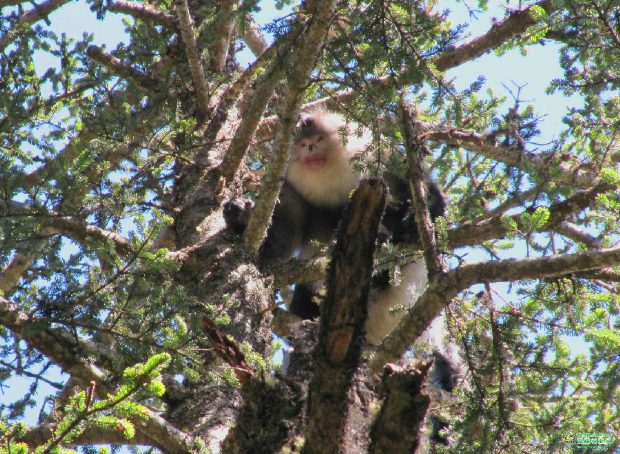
(381, 322)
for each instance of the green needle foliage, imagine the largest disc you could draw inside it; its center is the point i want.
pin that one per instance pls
(115, 160)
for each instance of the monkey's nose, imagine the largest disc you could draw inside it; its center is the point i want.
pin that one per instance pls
(310, 148)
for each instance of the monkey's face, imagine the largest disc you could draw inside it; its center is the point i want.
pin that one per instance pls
(315, 151)
(320, 168)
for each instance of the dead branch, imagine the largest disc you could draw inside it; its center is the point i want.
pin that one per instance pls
(343, 315)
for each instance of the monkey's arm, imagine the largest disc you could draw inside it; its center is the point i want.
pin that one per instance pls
(398, 225)
(287, 224)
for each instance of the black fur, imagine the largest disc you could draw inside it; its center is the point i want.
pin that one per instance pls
(296, 223)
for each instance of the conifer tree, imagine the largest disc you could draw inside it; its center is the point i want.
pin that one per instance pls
(117, 268)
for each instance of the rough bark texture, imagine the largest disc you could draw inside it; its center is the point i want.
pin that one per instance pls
(218, 275)
(342, 321)
(396, 429)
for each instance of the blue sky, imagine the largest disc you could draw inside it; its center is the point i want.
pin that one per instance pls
(533, 72)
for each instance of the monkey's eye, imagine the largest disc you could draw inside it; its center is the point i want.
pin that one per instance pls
(319, 139)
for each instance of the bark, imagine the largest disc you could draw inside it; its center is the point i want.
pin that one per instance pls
(397, 427)
(344, 312)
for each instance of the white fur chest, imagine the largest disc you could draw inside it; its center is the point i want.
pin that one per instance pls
(329, 187)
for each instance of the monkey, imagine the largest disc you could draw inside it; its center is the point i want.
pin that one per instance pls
(318, 181)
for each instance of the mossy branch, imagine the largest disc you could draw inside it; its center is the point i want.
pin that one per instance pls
(313, 40)
(188, 35)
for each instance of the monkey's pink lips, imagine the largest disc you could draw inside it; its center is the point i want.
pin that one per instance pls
(314, 161)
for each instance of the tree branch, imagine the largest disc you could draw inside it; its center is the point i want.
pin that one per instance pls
(141, 121)
(58, 344)
(475, 233)
(253, 114)
(576, 234)
(342, 320)
(415, 154)
(298, 271)
(145, 13)
(39, 435)
(542, 164)
(52, 100)
(34, 15)
(284, 323)
(113, 156)
(4, 3)
(444, 288)
(80, 231)
(21, 262)
(165, 435)
(255, 107)
(468, 234)
(312, 44)
(76, 358)
(252, 36)
(603, 275)
(517, 200)
(223, 30)
(515, 24)
(397, 427)
(193, 58)
(37, 376)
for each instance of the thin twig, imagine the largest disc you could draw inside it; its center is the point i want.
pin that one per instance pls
(34, 15)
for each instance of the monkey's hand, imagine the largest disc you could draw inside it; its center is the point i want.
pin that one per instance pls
(237, 214)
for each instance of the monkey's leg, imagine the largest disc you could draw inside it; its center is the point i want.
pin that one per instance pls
(303, 303)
